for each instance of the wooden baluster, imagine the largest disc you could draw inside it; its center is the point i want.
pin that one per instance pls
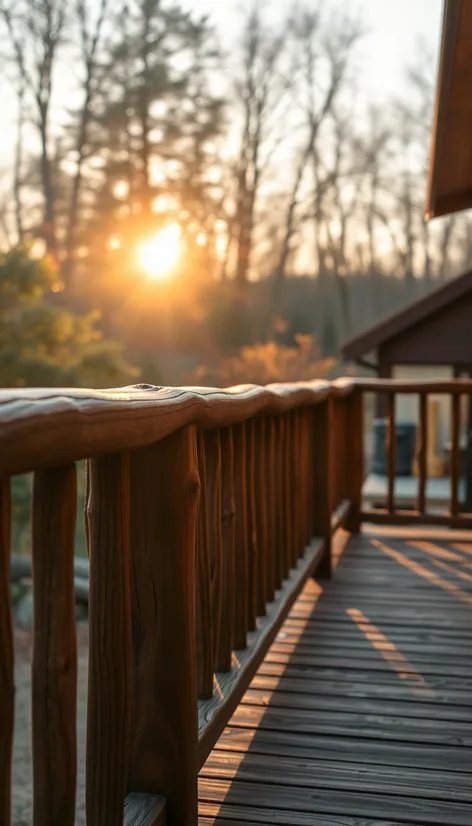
(109, 691)
(353, 468)
(214, 511)
(205, 657)
(301, 460)
(242, 583)
(391, 453)
(164, 511)
(251, 525)
(54, 668)
(225, 640)
(423, 452)
(288, 493)
(322, 444)
(282, 570)
(260, 495)
(270, 487)
(455, 453)
(333, 455)
(306, 476)
(7, 686)
(294, 486)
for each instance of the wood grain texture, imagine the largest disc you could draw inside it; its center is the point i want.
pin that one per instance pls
(164, 507)
(322, 455)
(215, 713)
(50, 427)
(7, 687)
(54, 666)
(242, 594)
(109, 693)
(270, 488)
(252, 538)
(214, 511)
(225, 638)
(261, 513)
(144, 810)
(204, 617)
(455, 454)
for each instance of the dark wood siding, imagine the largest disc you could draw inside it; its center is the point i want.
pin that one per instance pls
(443, 338)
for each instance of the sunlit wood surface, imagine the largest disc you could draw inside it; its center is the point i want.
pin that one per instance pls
(362, 710)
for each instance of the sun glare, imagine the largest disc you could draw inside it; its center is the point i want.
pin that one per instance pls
(158, 256)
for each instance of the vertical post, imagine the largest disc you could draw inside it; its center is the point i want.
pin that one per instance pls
(354, 467)
(164, 509)
(225, 640)
(322, 432)
(455, 453)
(109, 704)
(54, 670)
(293, 477)
(7, 689)
(260, 474)
(270, 489)
(242, 582)
(204, 630)
(423, 452)
(252, 537)
(391, 453)
(282, 570)
(288, 493)
(214, 511)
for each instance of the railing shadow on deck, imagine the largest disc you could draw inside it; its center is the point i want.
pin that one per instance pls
(277, 747)
(202, 505)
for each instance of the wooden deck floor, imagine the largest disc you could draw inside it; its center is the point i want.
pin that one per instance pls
(361, 713)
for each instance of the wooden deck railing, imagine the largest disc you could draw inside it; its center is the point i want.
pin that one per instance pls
(454, 515)
(206, 511)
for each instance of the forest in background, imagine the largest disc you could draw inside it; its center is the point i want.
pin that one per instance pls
(177, 213)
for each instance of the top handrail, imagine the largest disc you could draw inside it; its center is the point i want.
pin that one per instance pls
(57, 426)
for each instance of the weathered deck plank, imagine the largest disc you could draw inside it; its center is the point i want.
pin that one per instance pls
(362, 710)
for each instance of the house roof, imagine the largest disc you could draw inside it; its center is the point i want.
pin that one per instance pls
(413, 314)
(450, 170)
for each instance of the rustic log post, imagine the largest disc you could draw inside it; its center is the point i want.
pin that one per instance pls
(109, 703)
(422, 453)
(225, 640)
(322, 432)
(294, 482)
(252, 537)
(455, 453)
(164, 510)
(204, 625)
(242, 583)
(288, 493)
(7, 686)
(54, 670)
(353, 469)
(214, 512)
(391, 453)
(270, 487)
(260, 496)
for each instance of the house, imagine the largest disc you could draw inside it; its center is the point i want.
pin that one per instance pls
(432, 338)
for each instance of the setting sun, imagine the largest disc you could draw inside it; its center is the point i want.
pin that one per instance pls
(159, 255)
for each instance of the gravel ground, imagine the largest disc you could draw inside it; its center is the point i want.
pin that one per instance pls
(22, 782)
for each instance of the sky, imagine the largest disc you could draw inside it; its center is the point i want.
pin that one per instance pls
(395, 26)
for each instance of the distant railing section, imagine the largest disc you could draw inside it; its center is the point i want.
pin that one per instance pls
(206, 511)
(454, 516)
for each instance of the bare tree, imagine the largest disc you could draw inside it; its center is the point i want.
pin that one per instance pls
(262, 93)
(90, 27)
(35, 29)
(320, 53)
